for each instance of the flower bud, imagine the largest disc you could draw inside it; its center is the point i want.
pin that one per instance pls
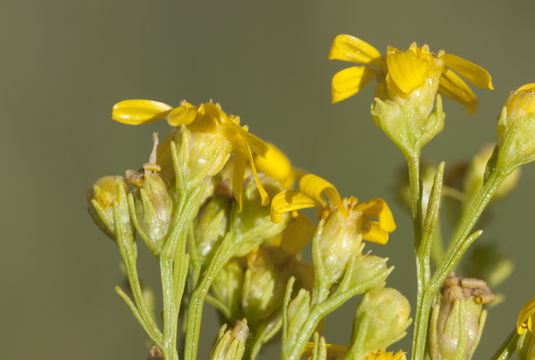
(201, 152)
(211, 226)
(368, 272)
(108, 205)
(409, 122)
(152, 207)
(457, 322)
(227, 288)
(340, 239)
(264, 283)
(387, 312)
(230, 343)
(253, 224)
(516, 129)
(298, 312)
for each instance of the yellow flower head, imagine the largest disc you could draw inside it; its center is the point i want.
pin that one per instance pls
(383, 355)
(401, 72)
(216, 131)
(310, 194)
(521, 102)
(526, 318)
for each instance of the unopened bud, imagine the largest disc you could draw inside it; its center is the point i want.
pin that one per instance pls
(368, 272)
(211, 226)
(108, 205)
(516, 129)
(298, 312)
(230, 343)
(264, 283)
(457, 322)
(340, 240)
(253, 224)
(227, 288)
(387, 312)
(152, 206)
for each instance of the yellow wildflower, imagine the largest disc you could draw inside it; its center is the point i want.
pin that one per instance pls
(400, 72)
(526, 318)
(383, 355)
(216, 136)
(311, 188)
(338, 351)
(334, 351)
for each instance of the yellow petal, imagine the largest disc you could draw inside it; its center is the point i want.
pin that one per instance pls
(185, 114)
(290, 200)
(456, 89)
(138, 111)
(276, 165)
(375, 233)
(298, 234)
(406, 71)
(238, 172)
(470, 71)
(378, 208)
(526, 318)
(264, 197)
(350, 48)
(313, 186)
(350, 81)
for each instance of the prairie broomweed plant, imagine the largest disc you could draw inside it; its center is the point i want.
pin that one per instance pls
(220, 209)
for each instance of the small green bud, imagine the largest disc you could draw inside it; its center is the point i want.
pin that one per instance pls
(211, 226)
(108, 204)
(151, 207)
(387, 312)
(490, 263)
(457, 322)
(230, 343)
(525, 346)
(340, 240)
(298, 312)
(227, 288)
(409, 122)
(516, 129)
(368, 272)
(201, 152)
(264, 283)
(253, 226)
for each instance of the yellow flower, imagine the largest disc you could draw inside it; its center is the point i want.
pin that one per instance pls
(400, 72)
(383, 355)
(338, 351)
(526, 318)
(310, 194)
(216, 135)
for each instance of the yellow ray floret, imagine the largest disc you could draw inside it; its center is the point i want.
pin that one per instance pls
(276, 165)
(335, 352)
(311, 194)
(404, 71)
(526, 318)
(205, 118)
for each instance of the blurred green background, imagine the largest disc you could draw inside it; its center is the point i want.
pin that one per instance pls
(65, 63)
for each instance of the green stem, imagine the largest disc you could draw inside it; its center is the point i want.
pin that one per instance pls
(458, 246)
(171, 266)
(508, 347)
(194, 315)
